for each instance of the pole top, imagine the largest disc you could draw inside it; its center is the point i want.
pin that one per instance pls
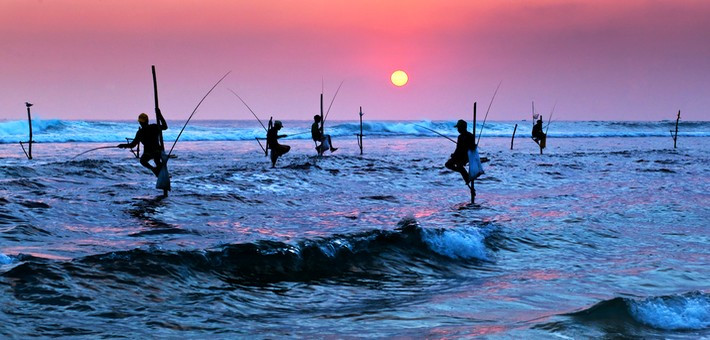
(28, 104)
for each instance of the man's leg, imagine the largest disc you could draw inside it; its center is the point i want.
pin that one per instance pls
(464, 174)
(450, 164)
(158, 159)
(144, 161)
(330, 143)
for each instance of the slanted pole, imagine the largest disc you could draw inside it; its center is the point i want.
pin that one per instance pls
(157, 108)
(675, 136)
(158, 119)
(473, 186)
(513, 138)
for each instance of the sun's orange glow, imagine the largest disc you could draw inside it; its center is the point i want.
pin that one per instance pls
(399, 78)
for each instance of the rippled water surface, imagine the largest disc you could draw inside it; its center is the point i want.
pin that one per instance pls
(597, 237)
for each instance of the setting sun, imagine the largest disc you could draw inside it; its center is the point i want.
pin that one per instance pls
(399, 78)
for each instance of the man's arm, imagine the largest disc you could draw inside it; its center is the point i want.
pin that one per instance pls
(163, 123)
(132, 144)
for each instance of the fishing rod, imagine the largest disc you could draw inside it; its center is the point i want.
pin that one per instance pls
(195, 110)
(549, 120)
(296, 134)
(480, 132)
(332, 100)
(252, 111)
(94, 149)
(291, 135)
(436, 132)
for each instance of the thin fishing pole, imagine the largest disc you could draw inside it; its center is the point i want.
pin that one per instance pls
(436, 132)
(331, 102)
(296, 134)
(94, 149)
(550, 119)
(252, 111)
(480, 133)
(195, 110)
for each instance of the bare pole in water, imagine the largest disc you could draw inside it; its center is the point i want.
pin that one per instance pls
(513, 138)
(29, 119)
(359, 137)
(675, 136)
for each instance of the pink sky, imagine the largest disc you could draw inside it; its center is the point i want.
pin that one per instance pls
(600, 60)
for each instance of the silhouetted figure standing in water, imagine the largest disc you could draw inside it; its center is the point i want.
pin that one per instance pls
(272, 139)
(325, 142)
(459, 158)
(149, 135)
(537, 134)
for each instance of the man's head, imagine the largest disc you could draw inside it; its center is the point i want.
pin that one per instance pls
(278, 125)
(461, 125)
(143, 119)
(316, 118)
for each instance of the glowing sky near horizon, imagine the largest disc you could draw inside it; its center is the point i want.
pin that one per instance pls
(599, 60)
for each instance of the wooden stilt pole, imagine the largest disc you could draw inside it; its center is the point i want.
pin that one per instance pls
(513, 138)
(359, 137)
(271, 125)
(157, 108)
(675, 136)
(322, 128)
(29, 143)
(158, 119)
(473, 186)
(29, 119)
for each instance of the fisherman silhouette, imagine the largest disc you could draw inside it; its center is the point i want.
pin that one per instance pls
(149, 135)
(537, 134)
(272, 139)
(459, 158)
(319, 137)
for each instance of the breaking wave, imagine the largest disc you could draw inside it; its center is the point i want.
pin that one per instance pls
(377, 252)
(62, 131)
(689, 311)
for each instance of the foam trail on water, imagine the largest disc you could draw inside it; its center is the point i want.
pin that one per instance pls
(689, 311)
(461, 243)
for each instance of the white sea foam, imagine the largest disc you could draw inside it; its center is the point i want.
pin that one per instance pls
(460, 243)
(688, 311)
(4, 259)
(60, 131)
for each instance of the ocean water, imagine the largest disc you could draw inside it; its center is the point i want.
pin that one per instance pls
(604, 235)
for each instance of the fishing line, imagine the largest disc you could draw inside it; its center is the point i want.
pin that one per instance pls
(480, 133)
(195, 110)
(252, 111)
(94, 149)
(436, 132)
(331, 102)
(549, 120)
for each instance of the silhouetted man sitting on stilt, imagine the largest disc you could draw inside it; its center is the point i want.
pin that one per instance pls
(149, 135)
(459, 158)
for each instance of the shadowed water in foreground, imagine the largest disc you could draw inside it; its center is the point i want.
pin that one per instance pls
(598, 237)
